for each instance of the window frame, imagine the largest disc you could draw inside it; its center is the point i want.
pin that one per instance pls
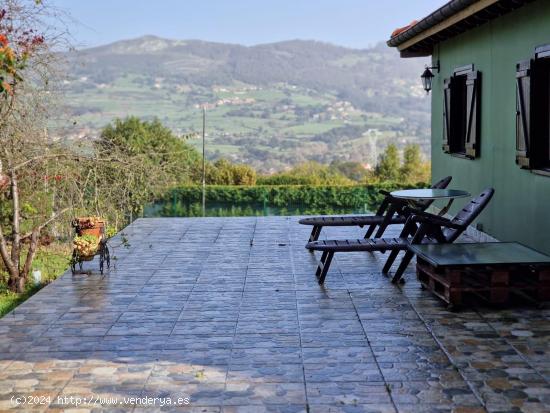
(461, 113)
(541, 88)
(533, 121)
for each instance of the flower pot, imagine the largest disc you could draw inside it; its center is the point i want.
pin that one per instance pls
(90, 226)
(96, 232)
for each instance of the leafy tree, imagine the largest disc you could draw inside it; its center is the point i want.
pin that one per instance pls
(352, 170)
(27, 84)
(414, 169)
(155, 144)
(150, 159)
(223, 172)
(308, 173)
(244, 175)
(388, 167)
(219, 173)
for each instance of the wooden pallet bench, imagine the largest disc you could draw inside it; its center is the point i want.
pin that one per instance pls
(490, 272)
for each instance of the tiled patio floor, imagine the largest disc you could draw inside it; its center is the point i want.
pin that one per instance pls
(227, 312)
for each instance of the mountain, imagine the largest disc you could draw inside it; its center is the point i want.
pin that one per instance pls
(270, 105)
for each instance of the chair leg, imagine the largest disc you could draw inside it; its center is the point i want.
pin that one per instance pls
(371, 229)
(381, 230)
(386, 221)
(389, 261)
(323, 267)
(402, 266)
(315, 232)
(384, 224)
(321, 263)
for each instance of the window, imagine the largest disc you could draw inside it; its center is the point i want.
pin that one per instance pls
(533, 111)
(461, 112)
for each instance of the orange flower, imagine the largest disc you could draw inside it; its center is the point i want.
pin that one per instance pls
(3, 40)
(6, 87)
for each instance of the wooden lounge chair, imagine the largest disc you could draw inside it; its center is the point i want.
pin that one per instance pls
(391, 211)
(421, 227)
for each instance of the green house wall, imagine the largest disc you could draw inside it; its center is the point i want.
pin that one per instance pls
(520, 209)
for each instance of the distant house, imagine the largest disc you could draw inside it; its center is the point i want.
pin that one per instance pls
(490, 107)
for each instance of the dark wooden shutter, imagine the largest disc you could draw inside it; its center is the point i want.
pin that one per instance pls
(523, 113)
(473, 107)
(447, 115)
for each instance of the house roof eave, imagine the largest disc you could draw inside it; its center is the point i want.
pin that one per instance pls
(451, 19)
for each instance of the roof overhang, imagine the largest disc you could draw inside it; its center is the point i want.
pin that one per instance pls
(455, 17)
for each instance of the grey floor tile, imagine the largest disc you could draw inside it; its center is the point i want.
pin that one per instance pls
(241, 328)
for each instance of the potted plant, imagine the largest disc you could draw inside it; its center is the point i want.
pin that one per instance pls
(90, 239)
(86, 245)
(89, 226)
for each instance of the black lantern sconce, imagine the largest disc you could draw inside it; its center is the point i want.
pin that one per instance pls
(427, 77)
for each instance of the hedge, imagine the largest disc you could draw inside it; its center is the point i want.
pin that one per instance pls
(310, 198)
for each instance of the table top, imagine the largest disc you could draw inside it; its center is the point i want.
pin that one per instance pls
(485, 253)
(425, 194)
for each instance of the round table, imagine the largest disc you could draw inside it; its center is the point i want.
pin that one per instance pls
(431, 195)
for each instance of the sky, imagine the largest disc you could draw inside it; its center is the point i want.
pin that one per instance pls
(352, 23)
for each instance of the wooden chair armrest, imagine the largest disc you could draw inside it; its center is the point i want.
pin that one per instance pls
(431, 219)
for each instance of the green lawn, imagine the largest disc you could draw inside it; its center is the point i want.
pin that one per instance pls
(52, 261)
(314, 128)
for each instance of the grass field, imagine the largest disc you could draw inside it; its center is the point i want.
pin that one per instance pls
(269, 127)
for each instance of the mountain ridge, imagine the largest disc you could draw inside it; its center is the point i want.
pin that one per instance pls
(289, 93)
(151, 37)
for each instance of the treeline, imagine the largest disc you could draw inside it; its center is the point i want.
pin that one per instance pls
(407, 170)
(182, 165)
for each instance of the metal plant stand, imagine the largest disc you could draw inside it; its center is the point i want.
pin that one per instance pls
(77, 259)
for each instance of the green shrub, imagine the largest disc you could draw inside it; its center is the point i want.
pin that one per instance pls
(308, 173)
(304, 198)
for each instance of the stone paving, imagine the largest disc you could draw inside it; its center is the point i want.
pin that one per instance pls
(227, 313)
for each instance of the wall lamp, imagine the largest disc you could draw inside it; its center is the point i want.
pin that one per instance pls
(427, 77)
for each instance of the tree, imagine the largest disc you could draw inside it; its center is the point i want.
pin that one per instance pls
(244, 175)
(219, 173)
(223, 172)
(388, 167)
(27, 66)
(145, 159)
(412, 161)
(308, 173)
(353, 170)
(414, 169)
(155, 144)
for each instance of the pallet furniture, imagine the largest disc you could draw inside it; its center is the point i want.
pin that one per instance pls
(495, 272)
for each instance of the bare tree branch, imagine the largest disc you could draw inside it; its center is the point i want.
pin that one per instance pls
(45, 223)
